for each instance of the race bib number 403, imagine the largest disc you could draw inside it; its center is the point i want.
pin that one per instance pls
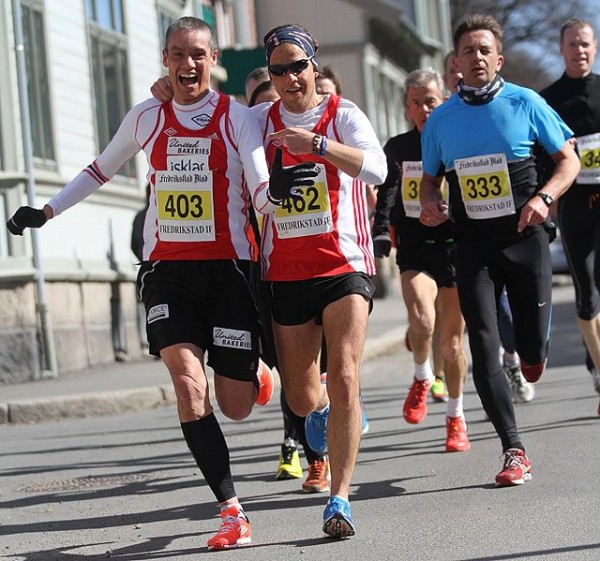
(185, 206)
(485, 186)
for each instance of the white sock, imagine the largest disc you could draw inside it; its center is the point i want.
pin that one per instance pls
(424, 372)
(240, 510)
(455, 407)
(511, 359)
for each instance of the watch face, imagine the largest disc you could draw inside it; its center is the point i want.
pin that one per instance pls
(546, 198)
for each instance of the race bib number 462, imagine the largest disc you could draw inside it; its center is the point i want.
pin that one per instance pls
(307, 214)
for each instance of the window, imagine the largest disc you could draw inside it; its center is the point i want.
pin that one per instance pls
(165, 18)
(37, 81)
(110, 78)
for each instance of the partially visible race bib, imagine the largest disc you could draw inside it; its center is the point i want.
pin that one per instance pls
(485, 186)
(184, 192)
(588, 147)
(412, 172)
(309, 214)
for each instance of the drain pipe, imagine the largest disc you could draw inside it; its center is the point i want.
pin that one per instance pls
(50, 370)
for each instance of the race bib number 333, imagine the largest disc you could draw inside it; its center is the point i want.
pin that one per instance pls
(485, 186)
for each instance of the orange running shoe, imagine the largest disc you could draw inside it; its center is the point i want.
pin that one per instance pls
(415, 405)
(318, 476)
(265, 383)
(234, 531)
(456, 439)
(516, 469)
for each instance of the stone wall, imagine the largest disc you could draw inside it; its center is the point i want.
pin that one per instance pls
(93, 323)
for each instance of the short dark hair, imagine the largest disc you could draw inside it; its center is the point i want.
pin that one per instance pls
(261, 88)
(191, 23)
(575, 22)
(332, 74)
(479, 22)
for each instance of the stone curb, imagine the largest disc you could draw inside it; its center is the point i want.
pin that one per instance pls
(38, 410)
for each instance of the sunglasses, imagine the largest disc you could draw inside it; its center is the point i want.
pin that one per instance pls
(296, 67)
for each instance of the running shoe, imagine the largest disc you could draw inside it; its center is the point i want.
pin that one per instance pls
(234, 531)
(596, 378)
(415, 405)
(289, 462)
(522, 390)
(265, 384)
(456, 435)
(337, 519)
(515, 470)
(315, 427)
(533, 372)
(439, 392)
(317, 480)
(364, 422)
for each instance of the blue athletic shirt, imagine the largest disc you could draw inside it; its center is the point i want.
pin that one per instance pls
(510, 125)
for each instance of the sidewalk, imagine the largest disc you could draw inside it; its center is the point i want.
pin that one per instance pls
(134, 386)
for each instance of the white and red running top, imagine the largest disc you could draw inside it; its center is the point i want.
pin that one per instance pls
(326, 231)
(205, 162)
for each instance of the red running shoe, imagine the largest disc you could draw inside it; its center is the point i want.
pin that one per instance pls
(318, 476)
(457, 439)
(234, 531)
(516, 469)
(415, 405)
(533, 372)
(265, 384)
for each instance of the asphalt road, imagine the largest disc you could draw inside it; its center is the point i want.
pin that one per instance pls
(124, 486)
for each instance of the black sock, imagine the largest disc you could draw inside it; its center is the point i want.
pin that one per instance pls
(207, 444)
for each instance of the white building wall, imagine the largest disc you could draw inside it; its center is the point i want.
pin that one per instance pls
(81, 237)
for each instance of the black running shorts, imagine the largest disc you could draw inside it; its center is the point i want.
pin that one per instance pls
(210, 304)
(297, 302)
(435, 259)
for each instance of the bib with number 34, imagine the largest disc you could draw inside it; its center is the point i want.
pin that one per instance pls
(588, 147)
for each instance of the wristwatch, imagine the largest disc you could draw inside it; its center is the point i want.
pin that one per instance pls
(548, 200)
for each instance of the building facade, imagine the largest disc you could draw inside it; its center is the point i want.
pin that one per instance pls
(71, 70)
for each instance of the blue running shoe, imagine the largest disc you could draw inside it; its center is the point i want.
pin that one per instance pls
(337, 519)
(315, 427)
(364, 429)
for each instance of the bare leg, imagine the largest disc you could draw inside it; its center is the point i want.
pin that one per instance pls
(345, 325)
(452, 328)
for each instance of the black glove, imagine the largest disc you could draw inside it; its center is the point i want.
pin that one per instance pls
(382, 245)
(25, 217)
(284, 182)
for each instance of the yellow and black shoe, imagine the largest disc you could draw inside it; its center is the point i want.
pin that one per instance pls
(289, 463)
